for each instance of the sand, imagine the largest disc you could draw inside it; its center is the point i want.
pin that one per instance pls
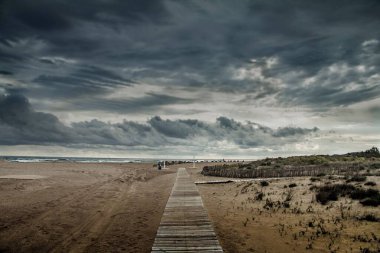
(242, 224)
(75, 207)
(25, 177)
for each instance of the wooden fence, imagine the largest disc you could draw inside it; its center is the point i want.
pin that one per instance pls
(286, 171)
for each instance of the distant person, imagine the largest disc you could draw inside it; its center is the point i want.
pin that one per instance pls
(159, 166)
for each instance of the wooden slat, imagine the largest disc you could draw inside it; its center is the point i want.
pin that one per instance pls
(185, 226)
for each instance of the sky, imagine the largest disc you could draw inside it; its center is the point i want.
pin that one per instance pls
(177, 79)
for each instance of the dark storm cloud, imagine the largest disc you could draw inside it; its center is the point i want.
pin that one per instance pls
(20, 124)
(291, 131)
(7, 57)
(244, 135)
(4, 72)
(219, 46)
(151, 102)
(86, 81)
(179, 128)
(48, 15)
(64, 86)
(315, 33)
(330, 96)
(106, 76)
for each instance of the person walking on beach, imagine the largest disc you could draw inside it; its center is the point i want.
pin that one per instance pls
(159, 165)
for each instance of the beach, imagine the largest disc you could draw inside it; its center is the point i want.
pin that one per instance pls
(81, 207)
(114, 207)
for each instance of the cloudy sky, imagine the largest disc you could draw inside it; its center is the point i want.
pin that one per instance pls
(165, 78)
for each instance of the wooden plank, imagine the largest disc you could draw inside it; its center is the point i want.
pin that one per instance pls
(215, 182)
(185, 226)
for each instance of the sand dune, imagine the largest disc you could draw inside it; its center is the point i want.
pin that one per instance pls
(246, 223)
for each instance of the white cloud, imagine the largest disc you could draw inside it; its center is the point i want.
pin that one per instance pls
(58, 60)
(370, 43)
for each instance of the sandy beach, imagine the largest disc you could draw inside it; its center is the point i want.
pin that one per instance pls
(74, 207)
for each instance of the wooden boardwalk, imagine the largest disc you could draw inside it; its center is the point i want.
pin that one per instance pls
(185, 226)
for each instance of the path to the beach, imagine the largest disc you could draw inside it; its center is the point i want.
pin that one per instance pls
(185, 226)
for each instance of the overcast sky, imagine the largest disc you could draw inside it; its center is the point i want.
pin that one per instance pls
(143, 78)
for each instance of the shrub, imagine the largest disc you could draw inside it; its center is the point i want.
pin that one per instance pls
(370, 183)
(367, 197)
(269, 204)
(324, 197)
(373, 152)
(375, 166)
(264, 183)
(357, 178)
(340, 189)
(292, 185)
(313, 179)
(373, 201)
(313, 187)
(367, 250)
(259, 196)
(289, 196)
(321, 174)
(369, 217)
(362, 194)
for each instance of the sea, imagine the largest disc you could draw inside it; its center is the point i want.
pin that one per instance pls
(39, 159)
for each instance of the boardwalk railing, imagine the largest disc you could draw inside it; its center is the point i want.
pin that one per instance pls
(185, 226)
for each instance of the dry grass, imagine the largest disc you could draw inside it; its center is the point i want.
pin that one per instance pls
(250, 218)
